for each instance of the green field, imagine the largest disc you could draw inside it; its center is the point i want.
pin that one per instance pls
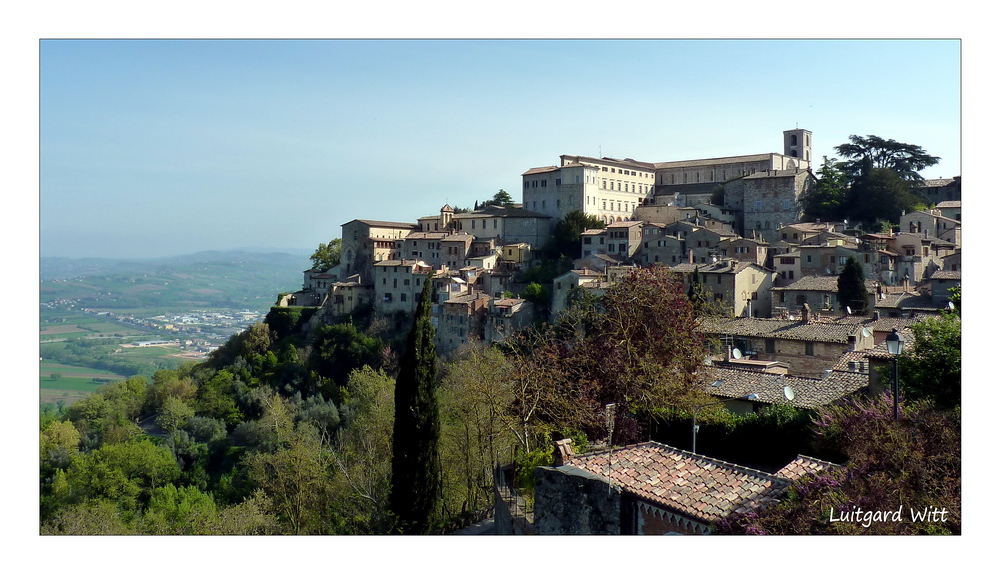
(46, 367)
(85, 384)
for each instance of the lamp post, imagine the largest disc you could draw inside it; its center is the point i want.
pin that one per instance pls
(694, 417)
(894, 344)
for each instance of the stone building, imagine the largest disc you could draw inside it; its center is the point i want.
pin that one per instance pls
(741, 288)
(768, 200)
(607, 188)
(652, 489)
(364, 242)
(506, 225)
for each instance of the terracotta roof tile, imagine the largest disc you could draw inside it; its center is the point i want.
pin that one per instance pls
(701, 487)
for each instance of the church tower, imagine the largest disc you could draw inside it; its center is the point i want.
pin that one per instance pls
(798, 144)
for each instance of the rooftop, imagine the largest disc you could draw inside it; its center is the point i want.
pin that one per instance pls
(820, 283)
(778, 329)
(809, 393)
(704, 488)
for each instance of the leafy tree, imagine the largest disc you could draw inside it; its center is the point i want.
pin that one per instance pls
(827, 198)
(913, 462)
(881, 176)
(416, 431)
(327, 256)
(879, 194)
(501, 198)
(931, 365)
(565, 240)
(871, 152)
(363, 454)
(479, 427)
(339, 349)
(851, 289)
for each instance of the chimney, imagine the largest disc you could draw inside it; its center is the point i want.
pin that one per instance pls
(805, 313)
(690, 256)
(563, 452)
(876, 315)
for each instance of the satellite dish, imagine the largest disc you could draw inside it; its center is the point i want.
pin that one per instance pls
(737, 354)
(866, 332)
(951, 305)
(789, 394)
(849, 312)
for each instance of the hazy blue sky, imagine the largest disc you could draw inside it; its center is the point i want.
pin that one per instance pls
(153, 148)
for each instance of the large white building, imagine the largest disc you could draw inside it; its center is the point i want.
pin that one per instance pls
(611, 189)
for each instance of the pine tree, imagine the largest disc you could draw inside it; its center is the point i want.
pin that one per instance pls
(851, 290)
(416, 469)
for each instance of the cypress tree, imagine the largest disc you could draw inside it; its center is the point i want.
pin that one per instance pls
(416, 469)
(851, 290)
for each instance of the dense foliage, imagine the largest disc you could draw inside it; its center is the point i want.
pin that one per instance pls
(851, 289)
(907, 471)
(931, 365)
(327, 255)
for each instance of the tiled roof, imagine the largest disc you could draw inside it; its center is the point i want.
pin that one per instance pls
(808, 392)
(500, 212)
(711, 161)
(541, 170)
(626, 224)
(938, 182)
(950, 204)
(384, 224)
(774, 174)
(720, 267)
(820, 283)
(908, 301)
(946, 275)
(700, 487)
(778, 329)
(427, 235)
(804, 465)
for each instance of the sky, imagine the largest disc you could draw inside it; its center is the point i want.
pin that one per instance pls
(151, 148)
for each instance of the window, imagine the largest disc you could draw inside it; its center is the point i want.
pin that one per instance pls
(769, 346)
(558, 181)
(810, 348)
(544, 183)
(402, 297)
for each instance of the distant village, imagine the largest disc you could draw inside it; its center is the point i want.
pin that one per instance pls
(732, 224)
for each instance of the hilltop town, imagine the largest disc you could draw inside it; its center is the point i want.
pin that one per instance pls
(733, 224)
(736, 231)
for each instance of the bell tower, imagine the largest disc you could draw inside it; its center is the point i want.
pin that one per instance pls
(798, 144)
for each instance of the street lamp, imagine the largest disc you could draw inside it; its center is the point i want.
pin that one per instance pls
(894, 344)
(694, 417)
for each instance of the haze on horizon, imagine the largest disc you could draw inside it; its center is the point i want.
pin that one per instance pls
(155, 148)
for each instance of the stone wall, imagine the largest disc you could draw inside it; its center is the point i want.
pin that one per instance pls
(570, 501)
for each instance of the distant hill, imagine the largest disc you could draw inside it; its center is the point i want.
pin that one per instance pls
(228, 279)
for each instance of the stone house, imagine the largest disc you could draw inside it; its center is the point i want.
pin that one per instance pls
(652, 489)
(455, 250)
(365, 242)
(796, 233)
(347, 296)
(507, 225)
(744, 250)
(704, 243)
(950, 209)
(807, 345)
(918, 255)
(460, 320)
(398, 284)
(932, 223)
(659, 247)
(819, 292)
(743, 288)
(506, 316)
(941, 189)
(624, 239)
(941, 282)
(787, 268)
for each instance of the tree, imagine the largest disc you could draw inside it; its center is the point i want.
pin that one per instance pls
(565, 240)
(851, 289)
(826, 200)
(501, 198)
(913, 464)
(931, 367)
(871, 152)
(327, 256)
(879, 194)
(415, 464)
(881, 176)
